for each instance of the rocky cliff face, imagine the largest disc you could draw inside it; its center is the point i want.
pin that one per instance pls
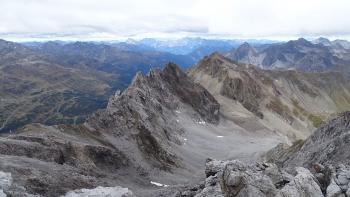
(144, 112)
(291, 102)
(132, 138)
(328, 145)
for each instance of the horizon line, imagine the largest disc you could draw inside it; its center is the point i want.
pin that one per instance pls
(167, 38)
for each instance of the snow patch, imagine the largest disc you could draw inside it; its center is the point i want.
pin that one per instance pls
(177, 120)
(5, 182)
(101, 192)
(201, 122)
(185, 139)
(159, 184)
(219, 136)
(177, 111)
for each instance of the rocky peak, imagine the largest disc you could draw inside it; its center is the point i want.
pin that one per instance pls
(323, 41)
(301, 42)
(245, 53)
(172, 82)
(145, 113)
(244, 50)
(214, 64)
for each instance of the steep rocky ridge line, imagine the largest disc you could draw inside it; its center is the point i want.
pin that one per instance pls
(290, 102)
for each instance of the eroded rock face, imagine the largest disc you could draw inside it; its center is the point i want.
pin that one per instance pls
(338, 181)
(237, 81)
(303, 184)
(328, 145)
(325, 153)
(237, 179)
(43, 160)
(144, 113)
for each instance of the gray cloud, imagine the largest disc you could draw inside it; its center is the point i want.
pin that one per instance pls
(115, 19)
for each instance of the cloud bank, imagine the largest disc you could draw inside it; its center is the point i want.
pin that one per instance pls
(117, 19)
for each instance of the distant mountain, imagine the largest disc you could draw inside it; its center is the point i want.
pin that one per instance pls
(196, 48)
(335, 43)
(76, 78)
(296, 54)
(244, 53)
(110, 58)
(323, 41)
(34, 88)
(343, 43)
(185, 46)
(340, 48)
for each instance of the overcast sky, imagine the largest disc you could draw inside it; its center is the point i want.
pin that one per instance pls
(116, 19)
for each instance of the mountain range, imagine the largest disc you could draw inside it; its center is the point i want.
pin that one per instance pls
(77, 78)
(124, 119)
(154, 137)
(57, 82)
(301, 54)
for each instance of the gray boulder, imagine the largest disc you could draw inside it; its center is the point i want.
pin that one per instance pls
(262, 180)
(101, 192)
(304, 184)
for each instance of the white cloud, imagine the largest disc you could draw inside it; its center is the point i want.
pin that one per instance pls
(112, 19)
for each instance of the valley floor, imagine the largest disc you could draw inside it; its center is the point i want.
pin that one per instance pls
(224, 141)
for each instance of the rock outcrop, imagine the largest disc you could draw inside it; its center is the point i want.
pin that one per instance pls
(328, 145)
(144, 113)
(236, 179)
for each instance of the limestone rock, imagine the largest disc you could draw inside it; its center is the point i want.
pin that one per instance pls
(304, 184)
(101, 192)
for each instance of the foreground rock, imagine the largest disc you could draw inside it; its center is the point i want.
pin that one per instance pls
(234, 178)
(325, 153)
(101, 192)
